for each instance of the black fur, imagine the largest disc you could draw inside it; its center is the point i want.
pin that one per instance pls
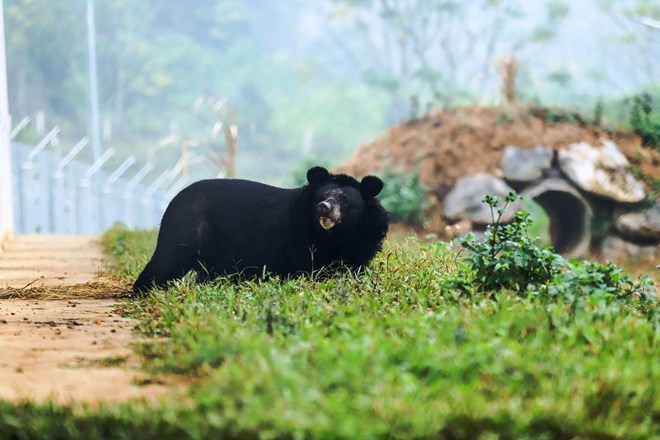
(233, 226)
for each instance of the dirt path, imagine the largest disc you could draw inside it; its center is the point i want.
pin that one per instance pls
(67, 349)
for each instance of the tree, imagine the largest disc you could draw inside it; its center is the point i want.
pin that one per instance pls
(642, 42)
(440, 51)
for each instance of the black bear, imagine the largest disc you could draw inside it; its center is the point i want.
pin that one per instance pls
(233, 226)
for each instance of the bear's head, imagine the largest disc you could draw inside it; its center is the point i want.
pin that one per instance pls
(339, 202)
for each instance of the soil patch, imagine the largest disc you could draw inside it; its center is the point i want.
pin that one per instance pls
(50, 260)
(61, 337)
(69, 350)
(445, 145)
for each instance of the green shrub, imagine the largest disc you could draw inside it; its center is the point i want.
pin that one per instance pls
(597, 281)
(644, 121)
(509, 258)
(404, 196)
(599, 109)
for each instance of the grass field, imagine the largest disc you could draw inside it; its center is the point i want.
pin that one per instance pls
(412, 347)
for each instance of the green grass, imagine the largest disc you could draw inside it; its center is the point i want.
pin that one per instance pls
(394, 352)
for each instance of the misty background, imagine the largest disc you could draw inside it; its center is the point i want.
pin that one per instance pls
(310, 79)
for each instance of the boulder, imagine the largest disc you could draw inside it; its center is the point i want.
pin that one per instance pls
(602, 170)
(619, 250)
(642, 225)
(464, 201)
(525, 164)
(458, 229)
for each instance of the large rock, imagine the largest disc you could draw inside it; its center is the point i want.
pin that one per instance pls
(643, 225)
(601, 170)
(525, 164)
(619, 250)
(464, 201)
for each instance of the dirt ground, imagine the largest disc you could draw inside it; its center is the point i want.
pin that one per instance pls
(445, 145)
(73, 348)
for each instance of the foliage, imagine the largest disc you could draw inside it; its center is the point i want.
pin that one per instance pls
(508, 258)
(423, 49)
(644, 120)
(404, 197)
(217, 48)
(599, 109)
(554, 115)
(593, 281)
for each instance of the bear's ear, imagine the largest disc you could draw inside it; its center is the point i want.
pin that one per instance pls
(370, 186)
(317, 175)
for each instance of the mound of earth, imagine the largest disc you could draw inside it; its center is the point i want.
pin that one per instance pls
(445, 145)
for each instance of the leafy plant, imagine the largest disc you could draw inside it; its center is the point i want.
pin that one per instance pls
(509, 258)
(404, 196)
(644, 121)
(599, 109)
(589, 279)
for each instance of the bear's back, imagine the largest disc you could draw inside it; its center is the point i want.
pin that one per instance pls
(234, 206)
(237, 194)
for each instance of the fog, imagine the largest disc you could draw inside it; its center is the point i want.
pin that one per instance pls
(307, 80)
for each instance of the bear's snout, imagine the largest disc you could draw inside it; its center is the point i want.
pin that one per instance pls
(323, 208)
(328, 212)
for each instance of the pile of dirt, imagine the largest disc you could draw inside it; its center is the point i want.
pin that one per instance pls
(446, 145)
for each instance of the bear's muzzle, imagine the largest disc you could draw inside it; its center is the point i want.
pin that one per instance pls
(329, 213)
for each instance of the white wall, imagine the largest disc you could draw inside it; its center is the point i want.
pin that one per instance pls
(6, 203)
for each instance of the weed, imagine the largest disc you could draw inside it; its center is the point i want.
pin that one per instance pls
(592, 281)
(508, 258)
(404, 197)
(599, 109)
(644, 121)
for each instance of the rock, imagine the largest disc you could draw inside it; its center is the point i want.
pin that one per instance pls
(618, 250)
(464, 201)
(602, 170)
(458, 229)
(524, 164)
(643, 225)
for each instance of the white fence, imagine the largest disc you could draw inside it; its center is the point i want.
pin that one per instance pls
(55, 193)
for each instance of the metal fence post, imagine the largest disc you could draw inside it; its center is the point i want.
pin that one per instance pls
(19, 127)
(129, 206)
(110, 211)
(31, 195)
(148, 198)
(88, 207)
(63, 194)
